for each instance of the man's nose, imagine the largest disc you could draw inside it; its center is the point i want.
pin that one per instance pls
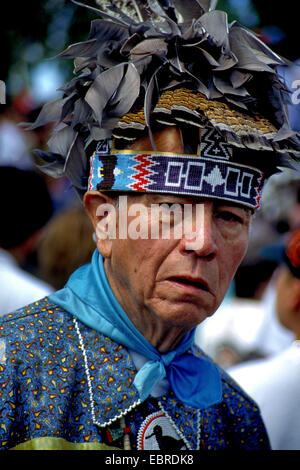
(200, 236)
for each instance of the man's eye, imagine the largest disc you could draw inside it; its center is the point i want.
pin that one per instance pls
(229, 217)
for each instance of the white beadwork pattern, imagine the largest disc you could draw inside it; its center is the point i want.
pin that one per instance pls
(87, 372)
(180, 433)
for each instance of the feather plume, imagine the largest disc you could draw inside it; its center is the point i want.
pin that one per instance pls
(132, 55)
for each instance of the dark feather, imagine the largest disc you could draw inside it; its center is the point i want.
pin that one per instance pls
(101, 13)
(157, 8)
(141, 10)
(252, 52)
(127, 93)
(156, 45)
(82, 113)
(148, 103)
(216, 25)
(51, 112)
(120, 13)
(189, 10)
(61, 140)
(77, 163)
(80, 49)
(226, 88)
(207, 5)
(103, 88)
(53, 163)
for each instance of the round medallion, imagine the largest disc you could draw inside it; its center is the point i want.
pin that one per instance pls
(158, 433)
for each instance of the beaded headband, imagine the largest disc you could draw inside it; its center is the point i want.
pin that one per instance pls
(209, 174)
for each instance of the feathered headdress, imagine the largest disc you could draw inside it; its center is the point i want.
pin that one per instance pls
(168, 62)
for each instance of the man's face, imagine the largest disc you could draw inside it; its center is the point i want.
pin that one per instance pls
(164, 280)
(166, 283)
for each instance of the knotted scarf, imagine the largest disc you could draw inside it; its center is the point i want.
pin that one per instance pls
(88, 296)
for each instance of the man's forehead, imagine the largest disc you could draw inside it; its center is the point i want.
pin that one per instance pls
(167, 139)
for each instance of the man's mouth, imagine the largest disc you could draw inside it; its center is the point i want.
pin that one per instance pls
(187, 281)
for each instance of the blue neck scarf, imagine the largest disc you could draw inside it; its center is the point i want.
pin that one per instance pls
(88, 296)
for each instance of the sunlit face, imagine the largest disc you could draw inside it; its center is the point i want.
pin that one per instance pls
(164, 280)
(163, 284)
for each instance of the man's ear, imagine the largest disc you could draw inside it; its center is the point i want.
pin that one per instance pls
(295, 293)
(102, 213)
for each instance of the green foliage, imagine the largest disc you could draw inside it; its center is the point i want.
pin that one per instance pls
(34, 31)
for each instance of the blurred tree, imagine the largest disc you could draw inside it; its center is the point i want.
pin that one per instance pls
(286, 20)
(243, 11)
(276, 26)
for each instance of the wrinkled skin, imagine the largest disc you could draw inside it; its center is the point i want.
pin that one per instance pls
(164, 286)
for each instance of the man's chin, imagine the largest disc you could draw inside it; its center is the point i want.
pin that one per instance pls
(185, 315)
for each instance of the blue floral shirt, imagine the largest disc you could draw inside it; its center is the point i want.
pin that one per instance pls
(64, 386)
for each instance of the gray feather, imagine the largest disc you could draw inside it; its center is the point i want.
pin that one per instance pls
(216, 25)
(103, 30)
(51, 112)
(82, 113)
(80, 49)
(53, 164)
(76, 164)
(251, 52)
(120, 13)
(226, 88)
(156, 46)
(103, 88)
(141, 11)
(189, 10)
(239, 78)
(148, 103)
(101, 13)
(127, 93)
(159, 11)
(61, 140)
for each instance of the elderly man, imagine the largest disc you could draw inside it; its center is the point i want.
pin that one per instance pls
(164, 108)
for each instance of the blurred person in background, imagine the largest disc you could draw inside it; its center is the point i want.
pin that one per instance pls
(274, 383)
(25, 210)
(66, 244)
(232, 335)
(246, 326)
(14, 142)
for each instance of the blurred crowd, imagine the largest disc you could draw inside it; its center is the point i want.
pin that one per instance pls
(45, 233)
